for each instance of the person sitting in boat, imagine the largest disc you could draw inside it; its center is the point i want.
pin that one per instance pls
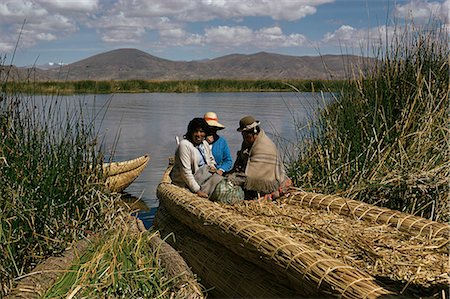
(258, 163)
(219, 145)
(194, 165)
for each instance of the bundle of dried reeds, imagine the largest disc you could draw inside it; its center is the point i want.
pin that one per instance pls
(305, 268)
(360, 210)
(223, 273)
(119, 175)
(318, 250)
(415, 264)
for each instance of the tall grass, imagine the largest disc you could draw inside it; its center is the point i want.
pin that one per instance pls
(51, 190)
(384, 139)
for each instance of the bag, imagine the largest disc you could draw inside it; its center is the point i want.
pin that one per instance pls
(227, 192)
(207, 180)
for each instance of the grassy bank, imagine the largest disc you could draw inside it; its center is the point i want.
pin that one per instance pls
(384, 139)
(144, 86)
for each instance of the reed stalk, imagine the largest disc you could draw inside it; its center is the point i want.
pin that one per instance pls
(384, 138)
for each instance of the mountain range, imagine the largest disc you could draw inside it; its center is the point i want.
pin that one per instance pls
(133, 64)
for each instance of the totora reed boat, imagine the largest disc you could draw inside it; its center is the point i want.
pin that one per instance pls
(119, 175)
(304, 245)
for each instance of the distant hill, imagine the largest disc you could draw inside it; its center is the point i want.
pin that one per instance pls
(127, 64)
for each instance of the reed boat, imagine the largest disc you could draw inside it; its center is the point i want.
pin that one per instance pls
(119, 175)
(304, 245)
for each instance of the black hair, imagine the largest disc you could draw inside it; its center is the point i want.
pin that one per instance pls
(194, 124)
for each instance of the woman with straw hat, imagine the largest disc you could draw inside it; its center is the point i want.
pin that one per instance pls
(219, 145)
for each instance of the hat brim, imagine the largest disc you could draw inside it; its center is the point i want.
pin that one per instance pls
(215, 124)
(248, 127)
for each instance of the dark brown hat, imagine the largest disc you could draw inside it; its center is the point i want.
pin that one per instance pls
(248, 123)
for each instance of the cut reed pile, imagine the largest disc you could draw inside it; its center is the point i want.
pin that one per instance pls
(357, 209)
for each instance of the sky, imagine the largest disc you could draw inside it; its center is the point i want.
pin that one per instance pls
(38, 32)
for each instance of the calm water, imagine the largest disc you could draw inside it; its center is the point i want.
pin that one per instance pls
(135, 124)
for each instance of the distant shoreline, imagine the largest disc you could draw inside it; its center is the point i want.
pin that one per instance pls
(180, 86)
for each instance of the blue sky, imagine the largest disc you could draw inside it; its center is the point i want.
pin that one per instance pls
(66, 31)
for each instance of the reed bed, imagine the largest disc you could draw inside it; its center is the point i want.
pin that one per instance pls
(384, 138)
(142, 86)
(51, 195)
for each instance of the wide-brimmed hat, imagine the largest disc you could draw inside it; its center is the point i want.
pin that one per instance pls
(247, 123)
(213, 121)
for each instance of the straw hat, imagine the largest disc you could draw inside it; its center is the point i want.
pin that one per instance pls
(213, 121)
(247, 123)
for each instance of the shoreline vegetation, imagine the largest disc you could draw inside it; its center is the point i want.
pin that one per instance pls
(383, 140)
(175, 86)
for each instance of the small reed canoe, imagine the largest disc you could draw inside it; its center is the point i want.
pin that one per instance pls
(277, 249)
(119, 175)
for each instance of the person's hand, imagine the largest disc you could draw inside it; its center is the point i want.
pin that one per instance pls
(264, 198)
(202, 194)
(219, 172)
(212, 169)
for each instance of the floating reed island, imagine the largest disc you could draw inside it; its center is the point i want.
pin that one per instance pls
(305, 245)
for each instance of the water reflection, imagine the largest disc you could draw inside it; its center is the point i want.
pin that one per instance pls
(139, 209)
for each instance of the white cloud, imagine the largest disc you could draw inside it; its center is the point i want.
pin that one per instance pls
(423, 11)
(204, 10)
(40, 22)
(70, 5)
(125, 21)
(170, 17)
(17, 11)
(352, 38)
(265, 38)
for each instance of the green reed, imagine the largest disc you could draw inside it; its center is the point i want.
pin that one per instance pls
(143, 86)
(384, 138)
(123, 264)
(50, 180)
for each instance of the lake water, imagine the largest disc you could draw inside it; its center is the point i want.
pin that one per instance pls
(135, 124)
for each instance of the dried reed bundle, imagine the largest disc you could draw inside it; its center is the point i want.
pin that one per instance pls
(119, 175)
(44, 275)
(405, 222)
(381, 250)
(222, 272)
(183, 283)
(114, 168)
(305, 269)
